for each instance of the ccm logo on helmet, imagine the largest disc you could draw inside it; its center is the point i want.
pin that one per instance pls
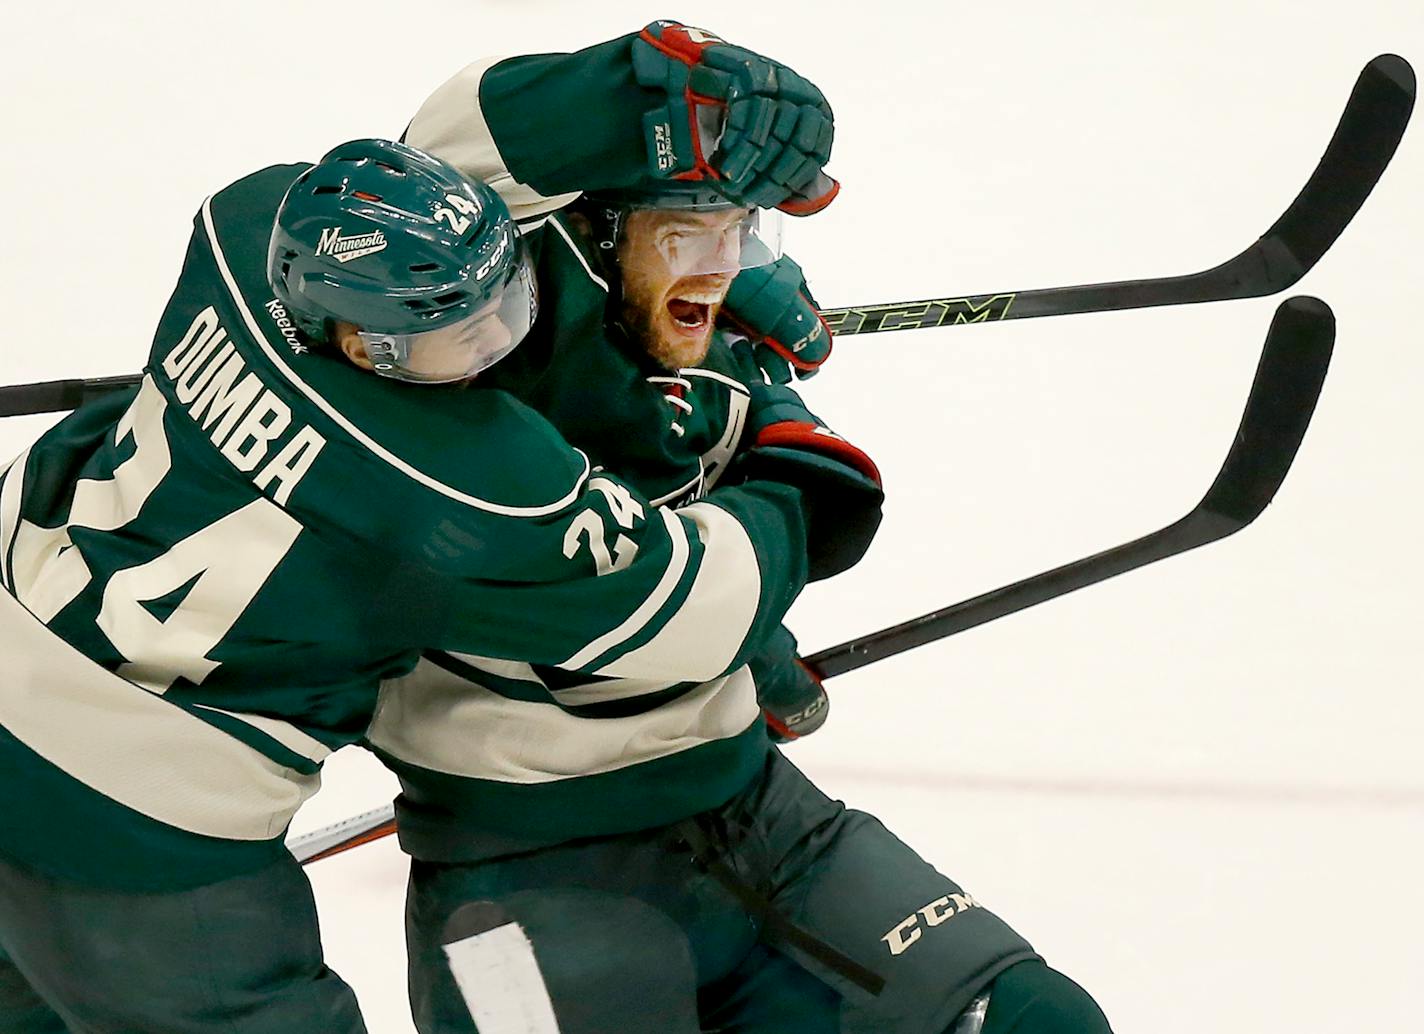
(494, 258)
(940, 910)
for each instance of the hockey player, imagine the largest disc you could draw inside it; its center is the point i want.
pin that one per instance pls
(637, 841)
(206, 578)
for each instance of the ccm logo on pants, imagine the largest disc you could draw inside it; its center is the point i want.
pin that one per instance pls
(941, 910)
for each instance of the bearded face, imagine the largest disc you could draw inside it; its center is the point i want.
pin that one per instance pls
(670, 300)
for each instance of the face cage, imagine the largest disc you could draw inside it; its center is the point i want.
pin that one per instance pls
(461, 350)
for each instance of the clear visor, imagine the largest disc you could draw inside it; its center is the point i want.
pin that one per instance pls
(461, 350)
(695, 242)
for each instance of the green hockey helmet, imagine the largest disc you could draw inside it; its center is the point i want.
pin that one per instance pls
(706, 243)
(426, 263)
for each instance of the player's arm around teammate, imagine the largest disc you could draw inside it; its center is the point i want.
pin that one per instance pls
(578, 842)
(205, 579)
(516, 121)
(670, 102)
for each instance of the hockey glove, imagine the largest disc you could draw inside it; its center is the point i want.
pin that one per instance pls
(773, 307)
(753, 125)
(791, 696)
(840, 485)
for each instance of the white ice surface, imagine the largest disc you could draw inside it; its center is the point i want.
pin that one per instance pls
(1198, 789)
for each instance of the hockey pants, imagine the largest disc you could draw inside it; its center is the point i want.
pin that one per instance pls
(237, 957)
(632, 935)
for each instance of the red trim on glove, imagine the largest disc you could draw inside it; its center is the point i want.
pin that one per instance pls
(699, 160)
(791, 357)
(677, 42)
(821, 440)
(778, 727)
(751, 333)
(811, 205)
(816, 676)
(757, 338)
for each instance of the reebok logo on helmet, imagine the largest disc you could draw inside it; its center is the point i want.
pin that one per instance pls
(344, 249)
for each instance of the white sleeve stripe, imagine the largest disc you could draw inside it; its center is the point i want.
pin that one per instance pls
(596, 692)
(636, 621)
(10, 489)
(611, 690)
(285, 733)
(137, 749)
(326, 407)
(702, 638)
(445, 723)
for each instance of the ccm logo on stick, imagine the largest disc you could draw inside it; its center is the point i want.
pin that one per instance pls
(940, 910)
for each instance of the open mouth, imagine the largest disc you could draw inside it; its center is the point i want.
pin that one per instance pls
(689, 315)
(692, 310)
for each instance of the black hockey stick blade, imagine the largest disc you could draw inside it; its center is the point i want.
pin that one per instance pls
(1278, 410)
(59, 396)
(1363, 144)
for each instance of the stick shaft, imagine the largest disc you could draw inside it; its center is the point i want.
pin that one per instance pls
(1277, 413)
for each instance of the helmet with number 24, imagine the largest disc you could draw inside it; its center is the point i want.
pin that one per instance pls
(426, 263)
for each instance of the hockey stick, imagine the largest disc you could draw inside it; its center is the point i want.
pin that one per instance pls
(1363, 144)
(60, 396)
(1278, 410)
(343, 835)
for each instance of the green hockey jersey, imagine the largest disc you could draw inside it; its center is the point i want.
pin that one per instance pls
(207, 578)
(542, 128)
(497, 756)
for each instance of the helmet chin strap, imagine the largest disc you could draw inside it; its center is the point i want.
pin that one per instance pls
(605, 224)
(605, 220)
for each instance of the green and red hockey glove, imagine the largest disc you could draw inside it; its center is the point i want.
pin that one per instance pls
(840, 484)
(792, 699)
(761, 131)
(799, 704)
(774, 308)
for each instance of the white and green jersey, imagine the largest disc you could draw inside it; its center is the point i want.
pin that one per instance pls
(207, 578)
(542, 128)
(498, 755)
